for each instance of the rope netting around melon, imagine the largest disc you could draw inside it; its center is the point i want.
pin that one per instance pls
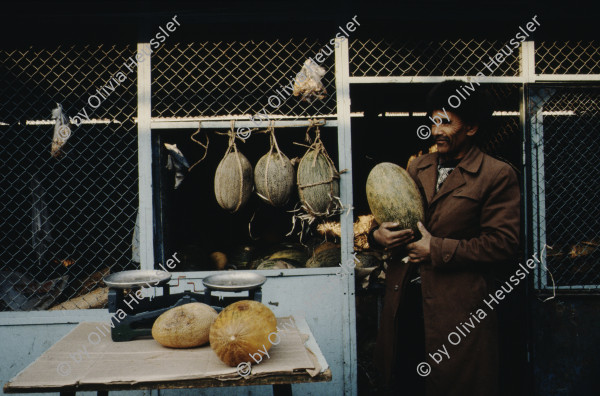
(331, 204)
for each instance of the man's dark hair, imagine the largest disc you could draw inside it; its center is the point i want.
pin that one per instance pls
(475, 109)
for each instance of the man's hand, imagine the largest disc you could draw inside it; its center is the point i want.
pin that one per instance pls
(386, 235)
(419, 251)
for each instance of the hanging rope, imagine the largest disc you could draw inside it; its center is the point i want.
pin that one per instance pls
(237, 158)
(313, 123)
(273, 150)
(316, 149)
(274, 144)
(205, 146)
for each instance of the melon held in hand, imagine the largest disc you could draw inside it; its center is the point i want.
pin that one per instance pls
(241, 329)
(393, 196)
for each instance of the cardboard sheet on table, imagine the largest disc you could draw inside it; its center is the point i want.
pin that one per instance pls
(75, 360)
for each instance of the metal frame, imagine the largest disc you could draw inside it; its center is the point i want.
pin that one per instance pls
(538, 221)
(527, 76)
(537, 184)
(341, 121)
(145, 159)
(207, 123)
(342, 83)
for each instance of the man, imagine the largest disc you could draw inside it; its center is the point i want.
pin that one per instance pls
(471, 228)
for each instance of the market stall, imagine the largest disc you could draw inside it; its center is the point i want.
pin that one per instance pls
(126, 180)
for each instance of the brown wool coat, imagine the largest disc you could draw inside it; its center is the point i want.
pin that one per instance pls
(474, 221)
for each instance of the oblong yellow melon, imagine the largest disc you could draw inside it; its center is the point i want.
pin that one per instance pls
(186, 326)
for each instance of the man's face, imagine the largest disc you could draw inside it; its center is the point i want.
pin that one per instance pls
(453, 137)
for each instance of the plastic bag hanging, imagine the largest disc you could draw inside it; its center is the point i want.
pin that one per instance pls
(62, 131)
(177, 161)
(308, 82)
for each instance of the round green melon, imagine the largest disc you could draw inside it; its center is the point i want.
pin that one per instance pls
(291, 254)
(274, 178)
(325, 258)
(241, 256)
(233, 181)
(366, 260)
(275, 264)
(393, 196)
(318, 183)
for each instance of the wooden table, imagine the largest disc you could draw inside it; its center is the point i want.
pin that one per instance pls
(282, 385)
(152, 366)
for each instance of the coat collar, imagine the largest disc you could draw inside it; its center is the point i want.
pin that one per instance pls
(471, 163)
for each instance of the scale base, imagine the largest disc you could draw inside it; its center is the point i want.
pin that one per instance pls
(141, 316)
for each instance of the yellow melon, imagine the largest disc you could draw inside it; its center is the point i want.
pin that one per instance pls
(185, 326)
(241, 329)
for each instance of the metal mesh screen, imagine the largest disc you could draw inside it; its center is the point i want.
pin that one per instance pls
(567, 57)
(428, 58)
(222, 81)
(210, 79)
(505, 141)
(565, 123)
(66, 221)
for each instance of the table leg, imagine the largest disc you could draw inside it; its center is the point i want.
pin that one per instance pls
(67, 393)
(102, 393)
(282, 390)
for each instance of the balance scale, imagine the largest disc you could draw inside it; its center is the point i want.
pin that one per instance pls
(142, 312)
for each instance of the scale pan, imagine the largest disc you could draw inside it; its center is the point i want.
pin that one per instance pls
(137, 278)
(234, 281)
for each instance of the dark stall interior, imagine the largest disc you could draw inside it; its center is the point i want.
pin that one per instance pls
(191, 220)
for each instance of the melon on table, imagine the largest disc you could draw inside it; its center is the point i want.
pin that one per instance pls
(393, 196)
(241, 329)
(185, 326)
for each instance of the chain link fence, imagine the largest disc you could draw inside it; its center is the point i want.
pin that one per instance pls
(66, 220)
(567, 57)
(381, 58)
(211, 79)
(504, 140)
(223, 81)
(564, 125)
